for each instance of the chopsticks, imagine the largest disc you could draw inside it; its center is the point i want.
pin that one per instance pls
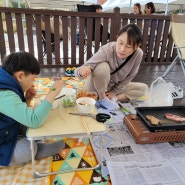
(59, 97)
(85, 125)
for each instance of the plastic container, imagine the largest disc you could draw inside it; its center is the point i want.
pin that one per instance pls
(69, 100)
(82, 92)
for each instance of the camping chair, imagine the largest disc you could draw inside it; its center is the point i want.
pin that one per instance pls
(86, 8)
(44, 43)
(91, 8)
(52, 35)
(177, 28)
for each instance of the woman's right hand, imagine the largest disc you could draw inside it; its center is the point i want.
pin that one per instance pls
(85, 71)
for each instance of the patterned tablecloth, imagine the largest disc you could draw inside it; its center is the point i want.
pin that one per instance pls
(43, 85)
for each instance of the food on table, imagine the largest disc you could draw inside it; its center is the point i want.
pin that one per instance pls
(92, 95)
(69, 101)
(82, 92)
(85, 104)
(153, 120)
(174, 117)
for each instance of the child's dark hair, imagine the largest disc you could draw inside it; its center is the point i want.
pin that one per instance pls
(134, 34)
(21, 61)
(98, 6)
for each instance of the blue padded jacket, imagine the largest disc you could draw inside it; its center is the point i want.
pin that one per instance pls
(9, 128)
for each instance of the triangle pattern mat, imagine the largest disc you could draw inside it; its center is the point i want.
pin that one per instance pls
(77, 154)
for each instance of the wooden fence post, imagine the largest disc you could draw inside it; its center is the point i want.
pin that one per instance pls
(115, 24)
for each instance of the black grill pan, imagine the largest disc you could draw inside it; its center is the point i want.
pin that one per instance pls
(159, 113)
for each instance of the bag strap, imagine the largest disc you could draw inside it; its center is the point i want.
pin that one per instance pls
(127, 59)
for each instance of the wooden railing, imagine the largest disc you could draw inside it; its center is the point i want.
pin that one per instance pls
(20, 29)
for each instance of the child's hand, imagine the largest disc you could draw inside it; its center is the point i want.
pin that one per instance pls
(55, 90)
(57, 86)
(30, 93)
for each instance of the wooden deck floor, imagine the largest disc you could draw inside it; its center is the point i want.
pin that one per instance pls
(147, 73)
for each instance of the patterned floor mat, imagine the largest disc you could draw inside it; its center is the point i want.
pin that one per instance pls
(77, 154)
(22, 174)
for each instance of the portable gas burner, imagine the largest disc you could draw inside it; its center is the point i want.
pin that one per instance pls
(142, 134)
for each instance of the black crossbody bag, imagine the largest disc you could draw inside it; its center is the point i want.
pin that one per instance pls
(127, 59)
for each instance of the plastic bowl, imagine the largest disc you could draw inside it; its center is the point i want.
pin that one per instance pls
(85, 104)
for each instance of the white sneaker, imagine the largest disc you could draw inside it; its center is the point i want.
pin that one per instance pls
(177, 91)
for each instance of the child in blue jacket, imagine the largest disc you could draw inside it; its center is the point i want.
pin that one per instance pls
(17, 74)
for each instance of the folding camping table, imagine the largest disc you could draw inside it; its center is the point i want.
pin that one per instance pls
(60, 124)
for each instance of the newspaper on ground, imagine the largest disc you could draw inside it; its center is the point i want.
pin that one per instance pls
(149, 164)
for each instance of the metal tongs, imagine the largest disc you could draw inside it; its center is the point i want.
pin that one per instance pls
(100, 117)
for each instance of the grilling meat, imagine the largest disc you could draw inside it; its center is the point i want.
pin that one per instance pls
(153, 120)
(174, 117)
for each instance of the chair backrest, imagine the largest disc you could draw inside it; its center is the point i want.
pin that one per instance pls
(178, 34)
(86, 8)
(60, 27)
(52, 26)
(92, 8)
